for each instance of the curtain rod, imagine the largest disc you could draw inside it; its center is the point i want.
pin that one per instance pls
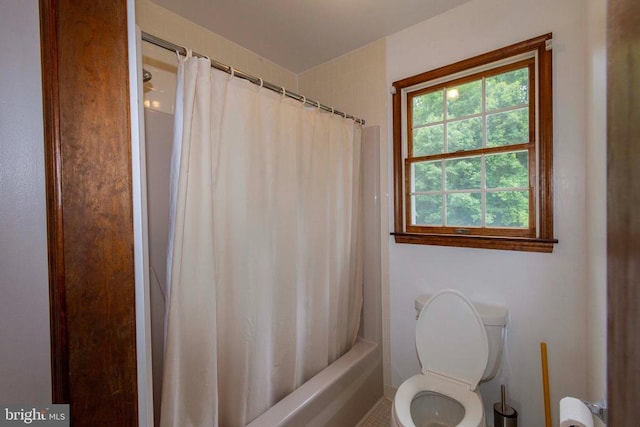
(149, 38)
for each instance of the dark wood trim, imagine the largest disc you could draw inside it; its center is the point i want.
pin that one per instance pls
(407, 196)
(545, 148)
(541, 180)
(483, 242)
(486, 58)
(525, 63)
(89, 209)
(533, 173)
(55, 236)
(398, 192)
(623, 211)
(471, 153)
(472, 231)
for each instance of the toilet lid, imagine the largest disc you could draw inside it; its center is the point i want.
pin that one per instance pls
(451, 340)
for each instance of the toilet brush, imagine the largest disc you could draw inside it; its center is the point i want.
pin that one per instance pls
(503, 414)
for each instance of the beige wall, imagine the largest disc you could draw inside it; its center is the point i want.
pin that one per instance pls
(354, 83)
(24, 305)
(160, 22)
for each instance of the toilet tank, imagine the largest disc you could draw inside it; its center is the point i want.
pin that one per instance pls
(494, 319)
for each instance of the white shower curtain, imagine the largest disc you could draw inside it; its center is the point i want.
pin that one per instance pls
(265, 261)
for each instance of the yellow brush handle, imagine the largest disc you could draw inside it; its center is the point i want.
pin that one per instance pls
(545, 384)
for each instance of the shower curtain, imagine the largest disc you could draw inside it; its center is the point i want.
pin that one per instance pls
(265, 252)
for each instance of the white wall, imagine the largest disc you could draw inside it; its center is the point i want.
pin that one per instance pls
(546, 294)
(596, 207)
(24, 305)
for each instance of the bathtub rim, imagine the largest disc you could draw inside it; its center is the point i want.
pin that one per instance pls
(288, 407)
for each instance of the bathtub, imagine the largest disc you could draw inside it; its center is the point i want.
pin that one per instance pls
(338, 396)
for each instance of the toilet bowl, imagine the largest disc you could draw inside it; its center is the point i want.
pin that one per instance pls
(456, 354)
(429, 401)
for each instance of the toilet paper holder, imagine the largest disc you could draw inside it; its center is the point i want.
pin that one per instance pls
(599, 409)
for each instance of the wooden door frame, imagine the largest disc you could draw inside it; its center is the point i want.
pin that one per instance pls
(85, 74)
(623, 211)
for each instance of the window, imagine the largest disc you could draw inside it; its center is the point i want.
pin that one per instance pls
(473, 152)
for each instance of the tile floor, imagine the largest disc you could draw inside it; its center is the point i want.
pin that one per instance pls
(378, 416)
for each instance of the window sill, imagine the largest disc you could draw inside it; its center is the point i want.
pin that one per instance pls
(484, 242)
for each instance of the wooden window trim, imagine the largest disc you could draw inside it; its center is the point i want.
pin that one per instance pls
(543, 241)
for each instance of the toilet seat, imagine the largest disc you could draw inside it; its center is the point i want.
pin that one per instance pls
(451, 340)
(470, 400)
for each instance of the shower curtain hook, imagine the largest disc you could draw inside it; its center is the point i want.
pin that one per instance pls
(333, 110)
(304, 100)
(187, 52)
(284, 92)
(232, 72)
(318, 106)
(261, 82)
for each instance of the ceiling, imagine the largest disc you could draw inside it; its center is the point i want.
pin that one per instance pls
(300, 34)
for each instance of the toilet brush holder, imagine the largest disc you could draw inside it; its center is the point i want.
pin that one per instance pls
(503, 414)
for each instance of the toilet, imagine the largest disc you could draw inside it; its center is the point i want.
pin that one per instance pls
(459, 344)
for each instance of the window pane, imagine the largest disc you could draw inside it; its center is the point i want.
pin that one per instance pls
(427, 210)
(464, 209)
(507, 209)
(510, 127)
(427, 176)
(464, 134)
(464, 100)
(428, 140)
(508, 170)
(463, 174)
(508, 89)
(428, 108)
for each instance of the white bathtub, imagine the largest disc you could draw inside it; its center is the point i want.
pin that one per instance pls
(338, 396)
